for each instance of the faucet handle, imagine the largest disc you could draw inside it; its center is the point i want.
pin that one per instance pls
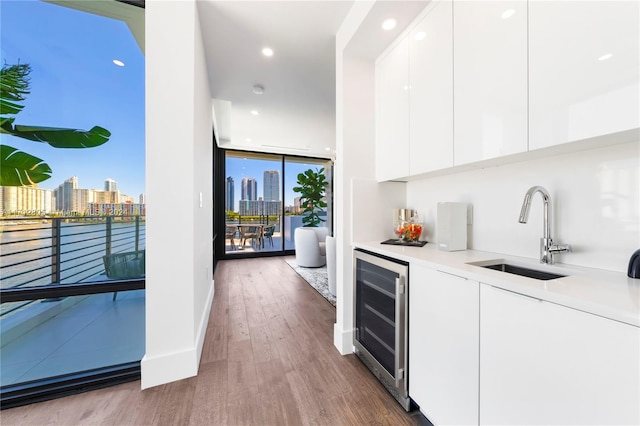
(558, 248)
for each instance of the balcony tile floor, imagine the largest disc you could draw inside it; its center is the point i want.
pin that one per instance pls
(96, 332)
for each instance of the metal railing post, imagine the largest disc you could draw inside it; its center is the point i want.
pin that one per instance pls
(137, 233)
(55, 250)
(108, 236)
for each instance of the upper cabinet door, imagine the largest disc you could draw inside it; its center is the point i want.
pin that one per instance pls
(490, 79)
(431, 94)
(392, 113)
(584, 69)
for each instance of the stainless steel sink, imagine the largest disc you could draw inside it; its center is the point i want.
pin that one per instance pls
(519, 270)
(525, 272)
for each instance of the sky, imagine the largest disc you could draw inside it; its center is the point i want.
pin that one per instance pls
(239, 168)
(75, 84)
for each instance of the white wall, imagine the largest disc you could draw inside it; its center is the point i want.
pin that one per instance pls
(595, 195)
(203, 185)
(354, 128)
(179, 286)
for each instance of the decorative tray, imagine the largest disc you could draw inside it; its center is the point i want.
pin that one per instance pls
(395, 242)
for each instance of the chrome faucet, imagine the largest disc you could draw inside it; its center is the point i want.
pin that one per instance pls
(547, 248)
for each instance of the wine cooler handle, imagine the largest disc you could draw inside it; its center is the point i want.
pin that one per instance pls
(399, 295)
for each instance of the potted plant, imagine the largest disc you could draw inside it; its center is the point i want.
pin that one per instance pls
(312, 191)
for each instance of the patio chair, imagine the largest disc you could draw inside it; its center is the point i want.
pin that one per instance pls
(230, 234)
(124, 265)
(268, 233)
(251, 233)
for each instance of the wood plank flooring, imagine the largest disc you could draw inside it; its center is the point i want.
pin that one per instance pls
(268, 359)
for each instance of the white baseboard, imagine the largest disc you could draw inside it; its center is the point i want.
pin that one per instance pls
(169, 367)
(174, 366)
(204, 320)
(342, 340)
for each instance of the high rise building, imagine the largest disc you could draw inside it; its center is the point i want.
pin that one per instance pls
(110, 185)
(260, 207)
(71, 199)
(249, 189)
(230, 193)
(25, 199)
(66, 196)
(271, 188)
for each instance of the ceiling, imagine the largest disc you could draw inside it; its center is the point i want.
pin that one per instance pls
(297, 111)
(297, 108)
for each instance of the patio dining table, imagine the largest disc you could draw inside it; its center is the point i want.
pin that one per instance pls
(251, 231)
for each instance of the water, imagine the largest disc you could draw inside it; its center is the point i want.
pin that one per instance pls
(27, 253)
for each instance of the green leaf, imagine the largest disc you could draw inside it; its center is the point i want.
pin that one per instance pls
(18, 168)
(60, 138)
(312, 191)
(4, 120)
(7, 107)
(14, 82)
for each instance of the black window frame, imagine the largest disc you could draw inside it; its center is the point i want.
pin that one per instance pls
(219, 214)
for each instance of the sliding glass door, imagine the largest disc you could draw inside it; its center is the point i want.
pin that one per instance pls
(293, 166)
(253, 203)
(72, 237)
(261, 209)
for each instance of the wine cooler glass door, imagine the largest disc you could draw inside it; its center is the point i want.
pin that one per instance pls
(376, 312)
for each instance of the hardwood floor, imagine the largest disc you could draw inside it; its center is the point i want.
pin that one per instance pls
(268, 359)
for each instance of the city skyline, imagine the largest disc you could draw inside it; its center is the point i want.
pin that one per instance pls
(239, 167)
(68, 196)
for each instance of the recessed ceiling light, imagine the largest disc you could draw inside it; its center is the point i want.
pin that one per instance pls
(327, 149)
(389, 24)
(118, 62)
(420, 36)
(248, 139)
(258, 90)
(254, 112)
(267, 51)
(605, 57)
(508, 13)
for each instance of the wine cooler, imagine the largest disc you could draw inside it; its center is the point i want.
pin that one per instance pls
(380, 338)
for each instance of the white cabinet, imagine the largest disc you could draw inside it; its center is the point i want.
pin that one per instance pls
(443, 345)
(431, 93)
(584, 69)
(541, 363)
(490, 79)
(392, 113)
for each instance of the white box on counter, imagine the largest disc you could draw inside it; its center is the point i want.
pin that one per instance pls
(451, 225)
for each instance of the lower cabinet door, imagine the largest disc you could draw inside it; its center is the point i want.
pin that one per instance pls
(542, 363)
(443, 345)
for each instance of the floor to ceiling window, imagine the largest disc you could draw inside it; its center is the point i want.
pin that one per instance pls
(293, 166)
(262, 209)
(72, 225)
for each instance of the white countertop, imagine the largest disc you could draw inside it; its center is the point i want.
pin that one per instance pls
(608, 294)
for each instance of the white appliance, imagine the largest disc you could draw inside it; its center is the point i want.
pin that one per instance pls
(451, 226)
